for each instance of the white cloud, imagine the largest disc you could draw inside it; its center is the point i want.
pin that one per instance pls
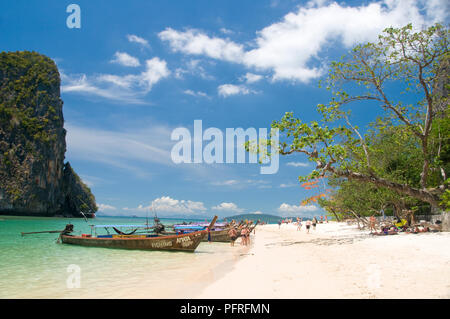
(257, 212)
(170, 205)
(156, 69)
(226, 90)
(226, 31)
(128, 88)
(293, 210)
(125, 81)
(297, 164)
(81, 84)
(197, 43)
(243, 183)
(437, 10)
(291, 48)
(125, 59)
(139, 209)
(105, 207)
(136, 39)
(230, 207)
(229, 182)
(193, 93)
(90, 180)
(251, 77)
(193, 67)
(167, 206)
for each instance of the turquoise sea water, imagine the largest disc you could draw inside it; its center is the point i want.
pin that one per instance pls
(35, 266)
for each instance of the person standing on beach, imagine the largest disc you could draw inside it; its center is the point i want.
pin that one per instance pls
(233, 235)
(372, 222)
(279, 224)
(308, 226)
(247, 240)
(243, 232)
(314, 222)
(299, 224)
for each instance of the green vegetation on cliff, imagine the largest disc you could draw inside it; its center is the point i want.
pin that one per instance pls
(33, 177)
(28, 79)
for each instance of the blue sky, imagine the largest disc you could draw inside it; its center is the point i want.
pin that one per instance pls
(136, 70)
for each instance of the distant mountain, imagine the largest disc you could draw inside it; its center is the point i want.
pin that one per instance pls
(270, 219)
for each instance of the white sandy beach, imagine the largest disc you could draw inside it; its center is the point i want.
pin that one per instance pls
(337, 261)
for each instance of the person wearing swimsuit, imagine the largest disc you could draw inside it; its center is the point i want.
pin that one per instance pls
(314, 222)
(308, 226)
(233, 235)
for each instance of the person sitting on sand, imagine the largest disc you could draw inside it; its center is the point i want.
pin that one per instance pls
(233, 235)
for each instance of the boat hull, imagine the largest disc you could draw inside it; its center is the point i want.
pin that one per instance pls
(220, 236)
(186, 242)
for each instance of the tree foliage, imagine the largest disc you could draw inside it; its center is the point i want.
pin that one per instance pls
(405, 148)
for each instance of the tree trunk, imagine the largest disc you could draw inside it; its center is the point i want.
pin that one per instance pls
(363, 221)
(422, 194)
(335, 215)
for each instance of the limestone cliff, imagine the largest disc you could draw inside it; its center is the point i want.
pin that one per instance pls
(33, 177)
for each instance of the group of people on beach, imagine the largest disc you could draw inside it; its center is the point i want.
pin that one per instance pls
(401, 225)
(244, 234)
(308, 223)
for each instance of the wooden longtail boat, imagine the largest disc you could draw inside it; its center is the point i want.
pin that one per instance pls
(221, 236)
(184, 242)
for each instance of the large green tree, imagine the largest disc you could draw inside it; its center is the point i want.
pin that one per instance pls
(414, 63)
(395, 156)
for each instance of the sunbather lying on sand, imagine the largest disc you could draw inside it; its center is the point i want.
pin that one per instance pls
(387, 231)
(417, 229)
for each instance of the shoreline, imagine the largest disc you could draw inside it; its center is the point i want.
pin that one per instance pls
(337, 261)
(334, 261)
(37, 267)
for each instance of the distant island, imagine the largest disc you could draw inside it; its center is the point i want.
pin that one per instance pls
(270, 219)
